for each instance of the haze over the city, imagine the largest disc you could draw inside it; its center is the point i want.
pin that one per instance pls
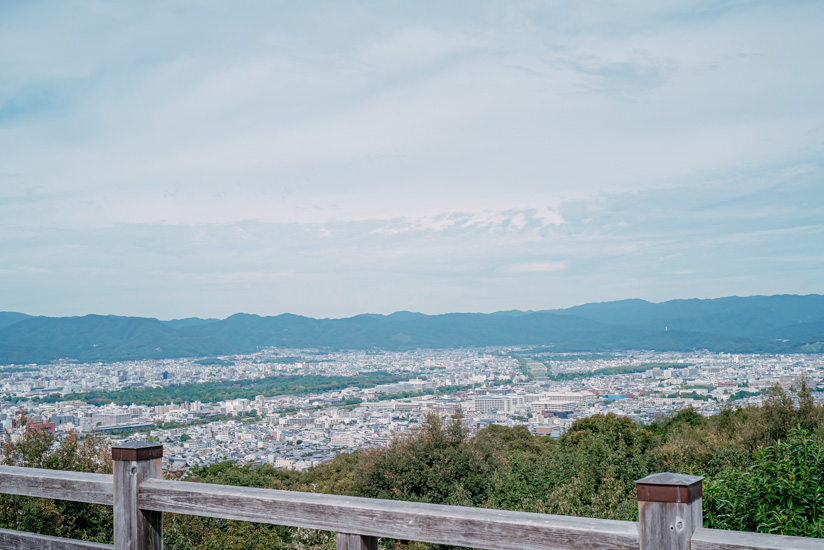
(329, 159)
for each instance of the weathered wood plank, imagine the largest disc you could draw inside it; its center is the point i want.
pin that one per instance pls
(456, 525)
(716, 539)
(359, 520)
(58, 484)
(135, 529)
(345, 541)
(669, 510)
(18, 540)
(667, 525)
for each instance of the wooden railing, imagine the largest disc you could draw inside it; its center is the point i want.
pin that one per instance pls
(669, 508)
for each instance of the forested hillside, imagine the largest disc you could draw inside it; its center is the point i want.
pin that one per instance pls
(775, 324)
(764, 469)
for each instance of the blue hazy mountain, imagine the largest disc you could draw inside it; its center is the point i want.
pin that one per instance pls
(9, 318)
(751, 317)
(97, 338)
(188, 322)
(784, 324)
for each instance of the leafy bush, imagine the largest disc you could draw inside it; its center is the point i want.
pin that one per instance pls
(39, 449)
(438, 463)
(764, 468)
(782, 492)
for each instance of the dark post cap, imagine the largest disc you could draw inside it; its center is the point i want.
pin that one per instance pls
(137, 451)
(668, 487)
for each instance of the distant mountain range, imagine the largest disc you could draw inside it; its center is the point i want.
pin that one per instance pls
(777, 324)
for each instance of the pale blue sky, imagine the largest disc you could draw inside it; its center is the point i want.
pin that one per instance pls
(172, 159)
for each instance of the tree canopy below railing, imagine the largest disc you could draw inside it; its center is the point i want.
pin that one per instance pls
(754, 459)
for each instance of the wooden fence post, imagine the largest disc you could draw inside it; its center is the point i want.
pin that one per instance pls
(346, 541)
(135, 529)
(669, 510)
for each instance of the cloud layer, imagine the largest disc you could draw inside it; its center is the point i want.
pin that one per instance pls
(336, 158)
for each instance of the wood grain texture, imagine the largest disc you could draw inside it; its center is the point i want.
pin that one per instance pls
(346, 541)
(358, 520)
(667, 525)
(455, 525)
(17, 540)
(39, 482)
(135, 529)
(716, 539)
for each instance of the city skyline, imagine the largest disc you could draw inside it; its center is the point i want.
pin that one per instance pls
(347, 158)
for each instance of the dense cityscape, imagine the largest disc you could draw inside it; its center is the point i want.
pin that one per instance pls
(543, 390)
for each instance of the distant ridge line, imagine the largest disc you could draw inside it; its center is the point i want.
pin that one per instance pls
(755, 324)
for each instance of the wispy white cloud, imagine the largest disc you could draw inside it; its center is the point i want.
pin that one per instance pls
(534, 267)
(417, 45)
(685, 241)
(406, 157)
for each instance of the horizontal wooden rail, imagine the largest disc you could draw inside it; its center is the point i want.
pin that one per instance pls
(455, 525)
(16, 540)
(669, 504)
(57, 484)
(716, 539)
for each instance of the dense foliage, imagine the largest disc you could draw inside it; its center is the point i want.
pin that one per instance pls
(57, 517)
(763, 468)
(221, 390)
(610, 371)
(781, 492)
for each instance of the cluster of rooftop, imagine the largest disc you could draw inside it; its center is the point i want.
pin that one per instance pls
(544, 391)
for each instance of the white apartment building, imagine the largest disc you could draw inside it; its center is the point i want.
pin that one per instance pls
(487, 403)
